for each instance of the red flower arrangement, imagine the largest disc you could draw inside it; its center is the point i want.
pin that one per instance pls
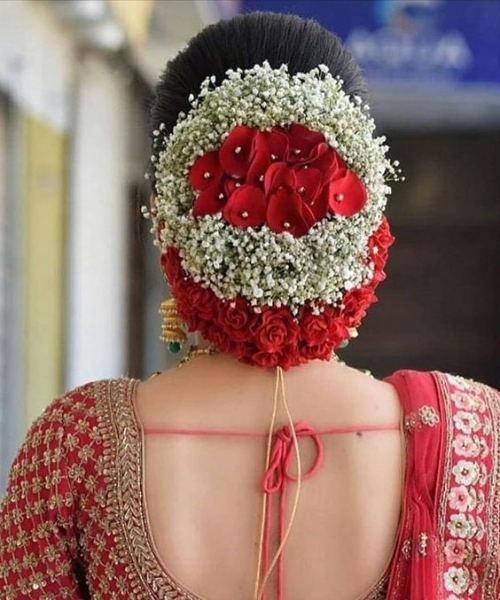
(273, 337)
(287, 178)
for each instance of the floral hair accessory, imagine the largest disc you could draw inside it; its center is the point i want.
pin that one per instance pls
(285, 178)
(269, 207)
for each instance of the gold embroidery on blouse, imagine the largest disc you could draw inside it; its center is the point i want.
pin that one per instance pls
(146, 576)
(33, 517)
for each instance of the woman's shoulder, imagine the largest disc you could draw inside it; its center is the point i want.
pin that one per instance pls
(440, 390)
(79, 418)
(412, 376)
(84, 399)
(75, 428)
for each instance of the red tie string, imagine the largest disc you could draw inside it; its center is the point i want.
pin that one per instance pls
(275, 481)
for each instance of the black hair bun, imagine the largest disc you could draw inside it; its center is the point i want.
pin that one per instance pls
(244, 41)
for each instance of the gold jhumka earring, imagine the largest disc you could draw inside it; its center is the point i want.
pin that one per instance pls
(173, 328)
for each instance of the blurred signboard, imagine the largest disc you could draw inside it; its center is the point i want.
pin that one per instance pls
(429, 41)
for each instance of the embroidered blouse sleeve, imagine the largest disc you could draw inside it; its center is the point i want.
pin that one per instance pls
(38, 542)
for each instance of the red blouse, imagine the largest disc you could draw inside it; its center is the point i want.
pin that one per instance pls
(73, 523)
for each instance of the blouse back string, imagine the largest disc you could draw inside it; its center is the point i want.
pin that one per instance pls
(280, 387)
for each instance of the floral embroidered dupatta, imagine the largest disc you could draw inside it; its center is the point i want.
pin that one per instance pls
(449, 535)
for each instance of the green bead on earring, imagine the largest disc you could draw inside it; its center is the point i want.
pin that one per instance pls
(353, 333)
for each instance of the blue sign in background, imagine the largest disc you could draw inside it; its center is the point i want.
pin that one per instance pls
(410, 40)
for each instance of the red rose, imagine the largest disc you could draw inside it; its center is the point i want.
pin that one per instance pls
(378, 246)
(197, 300)
(338, 331)
(171, 265)
(315, 329)
(242, 350)
(219, 338)
(235, 318)
(265, 359)
(291, 358)
(275, 329)
(379, 274)
(318, 352)
(383, 236)
(356, 303)
(272, 337)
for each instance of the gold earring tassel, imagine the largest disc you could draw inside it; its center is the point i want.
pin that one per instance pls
(173, 329)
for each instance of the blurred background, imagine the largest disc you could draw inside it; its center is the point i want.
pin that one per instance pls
(79, 280)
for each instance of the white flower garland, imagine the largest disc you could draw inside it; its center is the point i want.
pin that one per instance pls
(258, 264)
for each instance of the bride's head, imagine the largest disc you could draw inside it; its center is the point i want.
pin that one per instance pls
(269, 189)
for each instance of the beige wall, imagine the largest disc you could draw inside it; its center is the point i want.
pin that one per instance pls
(44, 151)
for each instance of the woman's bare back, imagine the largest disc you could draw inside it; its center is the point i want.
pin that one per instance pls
(204, 493)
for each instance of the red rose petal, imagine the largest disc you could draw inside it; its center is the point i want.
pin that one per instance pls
(275, 142)
(347, 194)
(258, 167)
(302, 141)
(210, 201)
(319, 207)
(308, 184)
(324, 158)
(205, 171)
(340, 161)
(230, 185)
(279, 175)
(246, 207)
(235, 152)
(287, 213)
(301, 175)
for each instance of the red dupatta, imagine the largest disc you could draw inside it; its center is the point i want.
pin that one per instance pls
(448, 545)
